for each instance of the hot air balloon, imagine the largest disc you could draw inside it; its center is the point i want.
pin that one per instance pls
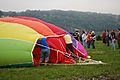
(18, 36)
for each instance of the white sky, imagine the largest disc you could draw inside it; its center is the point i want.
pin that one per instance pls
(102, 6)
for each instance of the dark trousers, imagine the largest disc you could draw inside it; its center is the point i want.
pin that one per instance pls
(88, 44)
(70, 47)
(93, 44)
(108, 41)
(104, 40)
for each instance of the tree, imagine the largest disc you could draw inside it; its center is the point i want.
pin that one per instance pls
(1, 13)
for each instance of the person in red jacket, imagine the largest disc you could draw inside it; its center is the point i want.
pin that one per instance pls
(104, 37)
(88, 39)
(118, 38)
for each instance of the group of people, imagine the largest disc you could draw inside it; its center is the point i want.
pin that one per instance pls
(86, 38)
(111, 37)
(108, 37)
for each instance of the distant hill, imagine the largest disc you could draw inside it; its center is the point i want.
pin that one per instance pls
(69, 20)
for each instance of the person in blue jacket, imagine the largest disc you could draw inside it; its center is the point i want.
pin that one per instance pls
(44, 50)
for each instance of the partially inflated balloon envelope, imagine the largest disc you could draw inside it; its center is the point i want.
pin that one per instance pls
(18, 36)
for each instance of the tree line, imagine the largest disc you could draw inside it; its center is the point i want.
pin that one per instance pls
(70, 20)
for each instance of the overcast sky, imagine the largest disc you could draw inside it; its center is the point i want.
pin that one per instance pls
(102, 6)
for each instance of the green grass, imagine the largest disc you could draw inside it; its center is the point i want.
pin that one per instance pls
(109, 71)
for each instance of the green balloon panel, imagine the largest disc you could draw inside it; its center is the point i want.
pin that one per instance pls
(15, 51)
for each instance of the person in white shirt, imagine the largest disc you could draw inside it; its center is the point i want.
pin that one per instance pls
(84, 39)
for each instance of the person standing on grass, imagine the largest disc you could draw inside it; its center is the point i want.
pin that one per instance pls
(104, 37)
(77, 35)
(44, 50)
(108, 38)
(84, 37)
(88, 39)
(93, 37)
(118, 38)
(113, 43)
(113, 34)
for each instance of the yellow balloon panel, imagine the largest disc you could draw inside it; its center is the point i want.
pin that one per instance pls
(18, 31)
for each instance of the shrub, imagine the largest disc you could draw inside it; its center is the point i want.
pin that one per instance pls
(98, 38)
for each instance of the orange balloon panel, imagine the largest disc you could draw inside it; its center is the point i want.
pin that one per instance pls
(37, 26)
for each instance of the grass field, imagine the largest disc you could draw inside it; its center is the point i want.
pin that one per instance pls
(109, 71)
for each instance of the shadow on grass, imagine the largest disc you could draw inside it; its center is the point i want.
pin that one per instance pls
(25, 65)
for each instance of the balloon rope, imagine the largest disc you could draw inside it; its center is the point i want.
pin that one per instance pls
(52, 49)
(65, 54)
